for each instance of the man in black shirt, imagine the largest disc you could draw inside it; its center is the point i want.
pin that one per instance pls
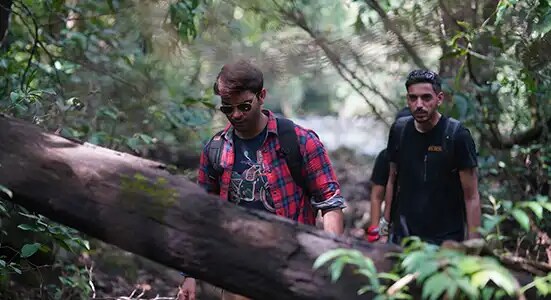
(432, 187)
(379, 178)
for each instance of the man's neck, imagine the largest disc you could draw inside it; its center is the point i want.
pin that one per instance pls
(255, 130)
(427, 126)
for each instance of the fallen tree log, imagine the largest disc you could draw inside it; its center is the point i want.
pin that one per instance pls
(138, 205)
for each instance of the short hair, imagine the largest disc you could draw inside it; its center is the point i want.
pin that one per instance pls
(238, 77)
(424, 76)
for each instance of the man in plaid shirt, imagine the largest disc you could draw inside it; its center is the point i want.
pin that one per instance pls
(254, 173)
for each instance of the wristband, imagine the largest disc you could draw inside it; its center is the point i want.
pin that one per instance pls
(373, 233)
(383, 226)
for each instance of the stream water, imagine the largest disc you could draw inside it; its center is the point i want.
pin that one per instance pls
(365, 135)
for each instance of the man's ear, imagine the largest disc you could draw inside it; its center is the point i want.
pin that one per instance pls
(262, 96)
(440, 98)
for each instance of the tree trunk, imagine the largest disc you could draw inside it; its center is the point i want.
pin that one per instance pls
(139, 206)
(5, 11)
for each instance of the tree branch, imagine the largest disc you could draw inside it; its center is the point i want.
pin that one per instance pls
(390, 26)
(297, 18)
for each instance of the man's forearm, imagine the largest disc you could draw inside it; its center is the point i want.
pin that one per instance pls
(377, 198)
(333, 221)
(472, 207)
(388, 200)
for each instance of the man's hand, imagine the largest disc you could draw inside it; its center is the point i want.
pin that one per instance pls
(186, 291)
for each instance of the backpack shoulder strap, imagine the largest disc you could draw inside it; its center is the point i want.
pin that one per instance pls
(288, 141)
(452, 125)
(399, 130)
(214, 153)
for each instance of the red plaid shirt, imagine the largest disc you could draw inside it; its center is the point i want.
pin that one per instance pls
(290, 200)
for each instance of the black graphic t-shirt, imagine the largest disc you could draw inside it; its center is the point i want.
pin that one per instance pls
(249, 185)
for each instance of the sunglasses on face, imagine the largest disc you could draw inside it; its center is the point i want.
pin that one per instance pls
(243, 107)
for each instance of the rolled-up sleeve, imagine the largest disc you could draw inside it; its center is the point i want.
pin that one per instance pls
(320, 176)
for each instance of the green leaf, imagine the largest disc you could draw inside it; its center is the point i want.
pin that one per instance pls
(522, 218)
(29, 249)
(364, 290)
(542, 286)
(491, 221)
(501, 9)
(546, 205)
(84, 243)
(487, 293)
(536, 208)
(64, 244)
(461, 103)
(435, 286)
(6, 191)
(328, 256)
(15, 269)
(467, 26)
(336, 268)
(30, 216)
(389, 276)
(57, 4)
(468, 289)
(413, 261)
(146, 138)
(427, 269)
(14, 96)
(544, 25)
(469, 265)
(451, 291)
(372, 277)
(30, 227)
(45, 248)
(2, 263)
(402, 296)
(3, 208)
(500, 278)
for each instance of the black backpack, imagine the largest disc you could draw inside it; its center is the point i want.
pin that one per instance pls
(448, 147)
(290, 150)
(448, 143)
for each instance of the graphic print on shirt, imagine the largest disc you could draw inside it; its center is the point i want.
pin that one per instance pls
(249, 188)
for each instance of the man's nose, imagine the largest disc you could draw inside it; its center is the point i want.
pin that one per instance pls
(236, 113)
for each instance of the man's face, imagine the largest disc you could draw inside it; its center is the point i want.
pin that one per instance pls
(423, 101)
(243, 109)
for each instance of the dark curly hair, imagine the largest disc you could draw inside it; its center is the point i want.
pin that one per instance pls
(424, 76)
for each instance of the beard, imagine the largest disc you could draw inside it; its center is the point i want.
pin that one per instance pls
(422, 116)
